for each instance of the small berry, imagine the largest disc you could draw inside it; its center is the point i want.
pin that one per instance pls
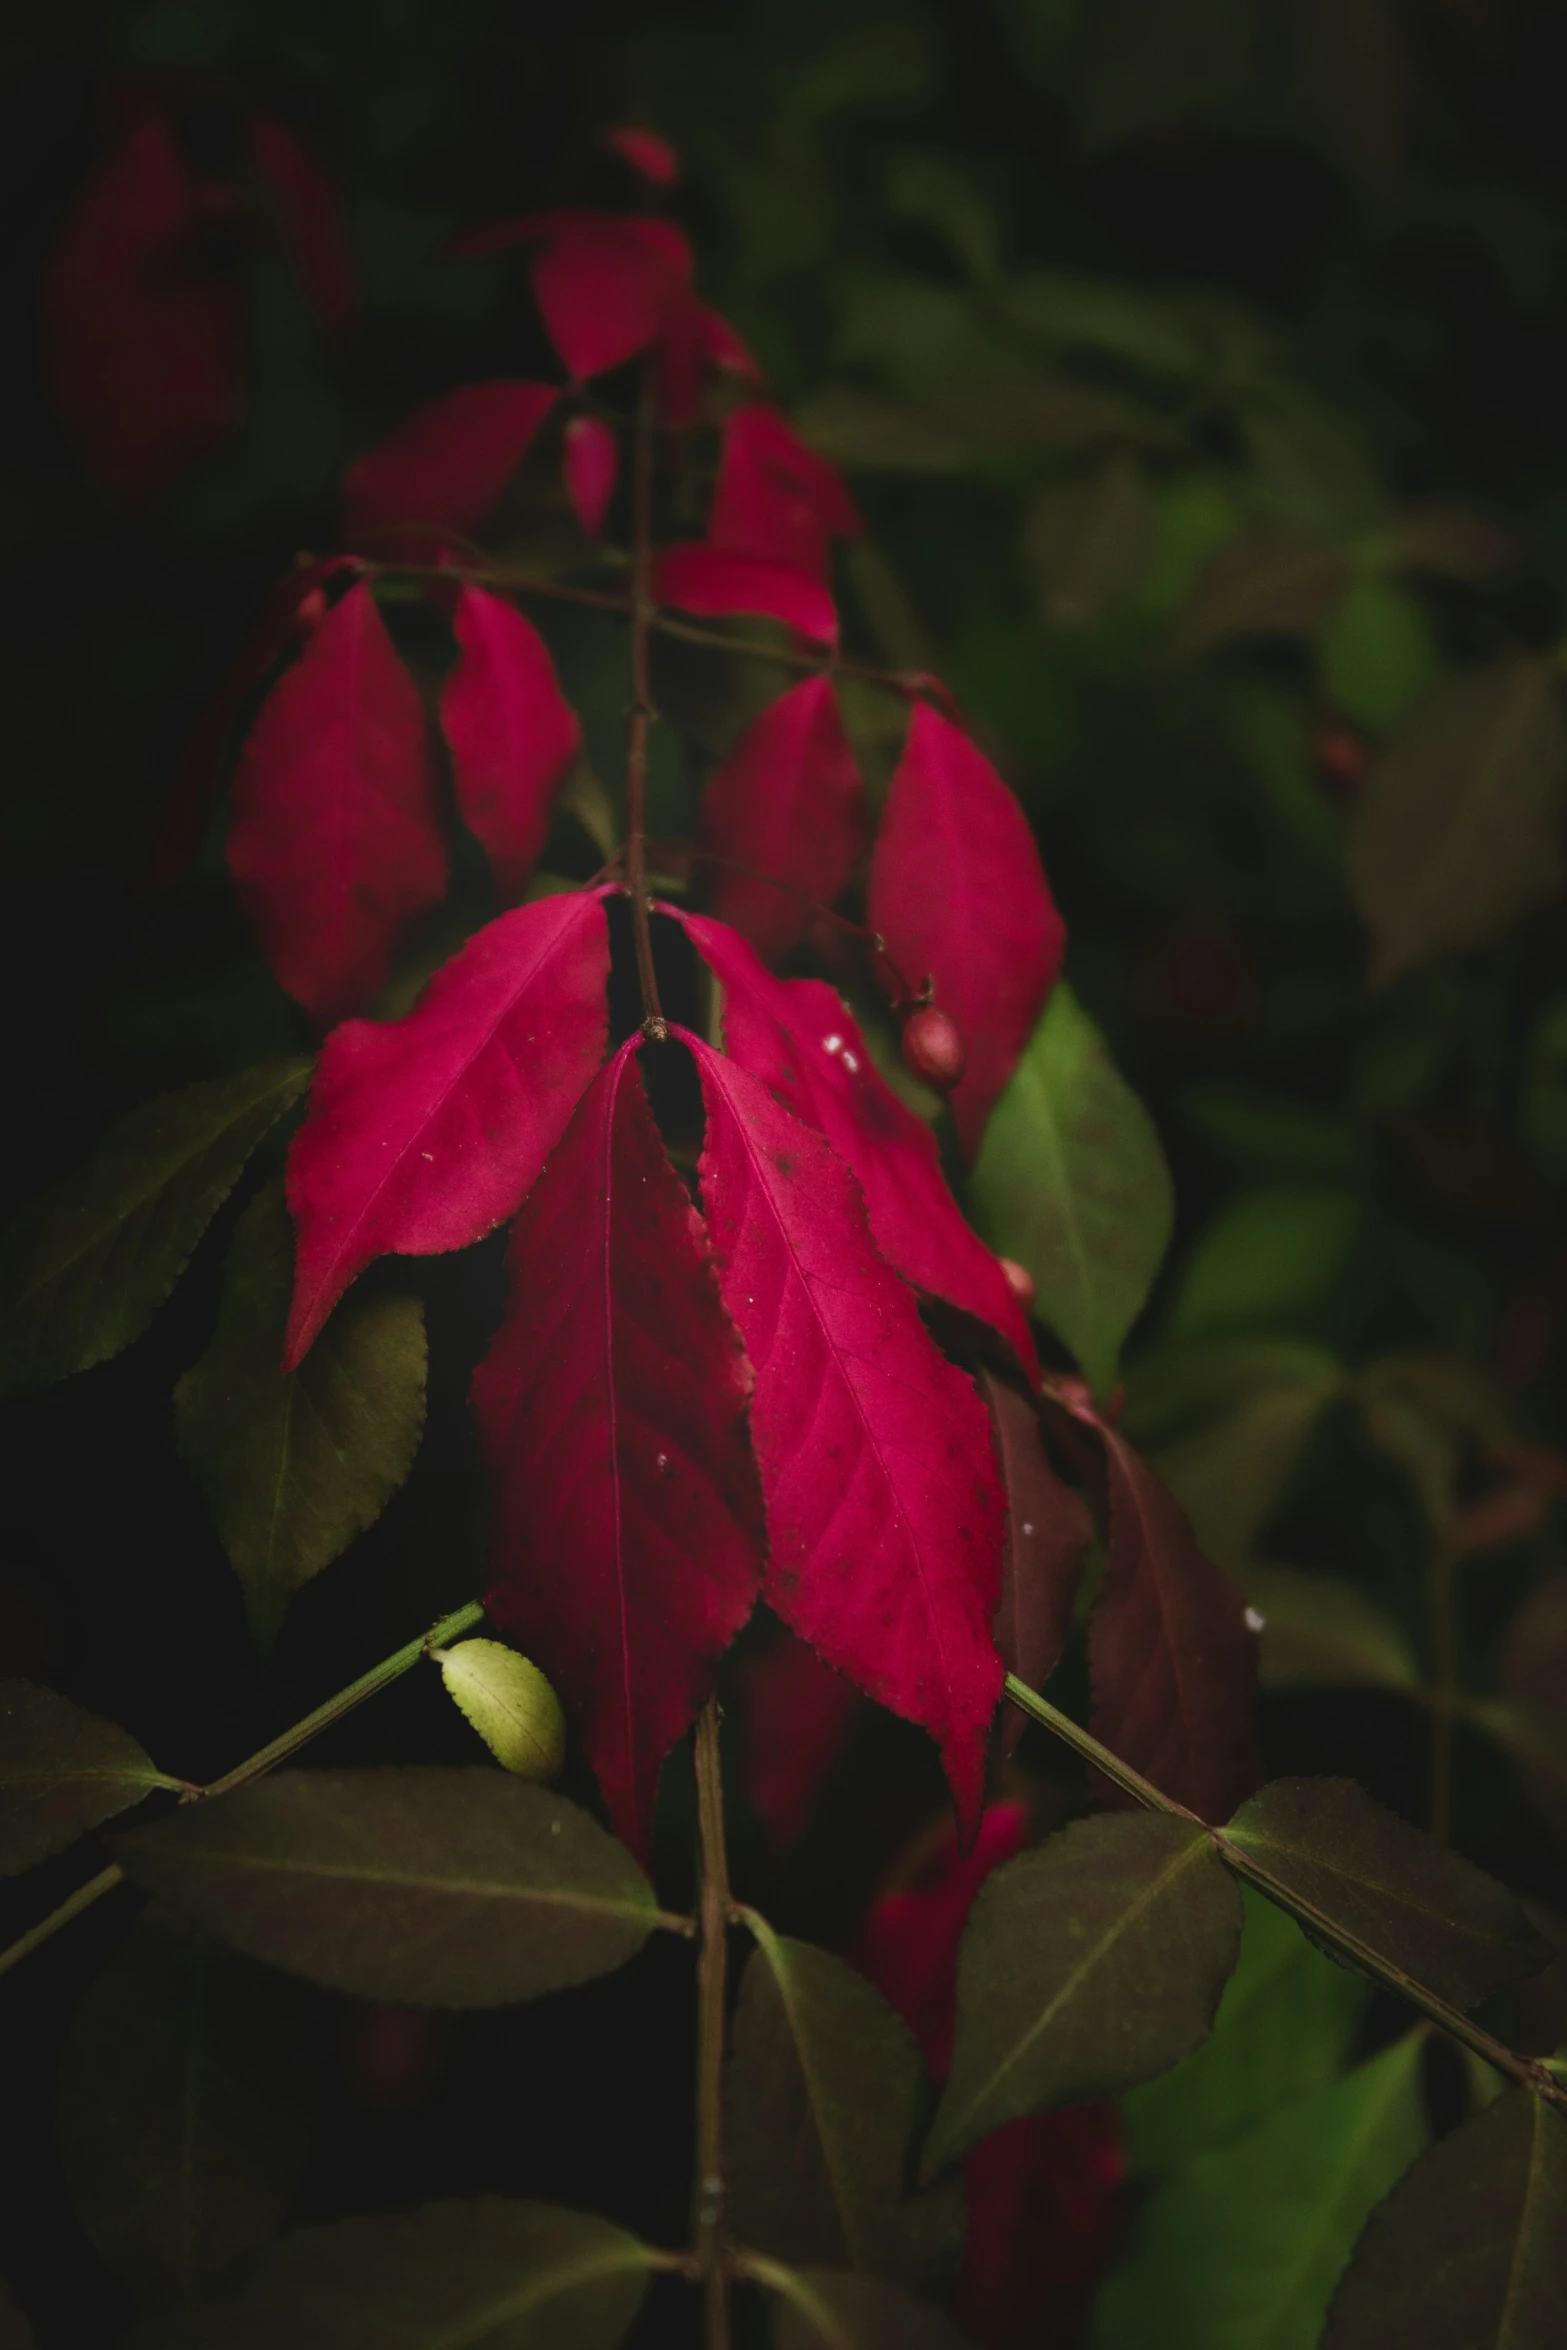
(933, 1047)
(1020, 1281)
(1341, 757)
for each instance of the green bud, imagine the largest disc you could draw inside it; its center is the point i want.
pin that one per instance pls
(509, 1703)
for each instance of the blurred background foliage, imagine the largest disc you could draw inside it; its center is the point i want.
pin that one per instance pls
(1198, 366)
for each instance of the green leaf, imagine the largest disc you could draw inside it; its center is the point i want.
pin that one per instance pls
(1456, 831)
(84, 1269)
(1260, 586)
(825, 2091)
(510, 1704)
(1071, 1182)
(1240, 2249)
(484, 2274)
(1427, 1910)
(1286, 2025)
(295, 1465)
(1273, 1255)
(818, 2309)
(1087, 1965)
(1086, 542)
(447, 1888)
(1319, 1633)
(62, 1771)
(1469, 2252)
(179, 2152)
(1378, 655)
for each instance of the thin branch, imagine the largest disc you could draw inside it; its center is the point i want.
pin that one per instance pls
(717, 1907)
(641, 721)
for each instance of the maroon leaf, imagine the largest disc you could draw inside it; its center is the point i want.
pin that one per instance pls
(447, 463)
(627, 1546)
(513, 734)
(143, 337)
(695, 339)
(334, 844)
(883, 1504)
(1049, 1531)
(1173, 1659)
(777, 498)
(425, 1133)
(310, 220)
(798, 1038)
(591, 456)
(649, 155)
(787, 801)
(798, 1714)
(958, 892)
(712, 580)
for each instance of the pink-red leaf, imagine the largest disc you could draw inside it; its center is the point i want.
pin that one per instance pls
(448, 462)
(627, 1546)
(591, 459)
(425, 1133)
(787, 802)
(883, 1503)
(775, 497)
(712, 580)
(607, 283)
(654, 158)
(957, 891)
(143, 334)
(335, 843)
(798, 1715)
(513, 735)
(1049, 1531)
(310, 220)
(798, 1038)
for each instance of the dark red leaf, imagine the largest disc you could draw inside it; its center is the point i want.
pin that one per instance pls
(957, 891)
(310, 220)
(143, 336)
(424, 1133)
(654, 158)
(908, 1941)
(591, 456)
(627, 1545)
(883, 1503)
(798, 1714)
(777, 498)
(1049, 1531)
(787, 801)
(696, 339)
(335, 843)
(712, 581)
(513, 734)
(447, 464)
(799, 1039)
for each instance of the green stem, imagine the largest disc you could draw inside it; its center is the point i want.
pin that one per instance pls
(707, 2217)
(1527, 2071)
(1442, 1695)
(390, 1669)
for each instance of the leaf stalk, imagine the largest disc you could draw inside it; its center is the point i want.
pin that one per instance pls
(709, 2250)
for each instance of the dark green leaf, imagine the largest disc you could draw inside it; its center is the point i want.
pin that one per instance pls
(448, 1888)
(1272, 1256)
(1319, 1633)
(1088, 1964)
(62, 1771)
(179, 2152)
(1469, 2252)
(1087, 541)
(1457, 830)
(1071, 1182)
(84, 1269)
(1285, 2026)
(816, 2309)
(825, 2092)
(294, 1466)
(1261, 586)
(1241, 2248)
(477, 2275)
(1427, 1910)
(1450, 541)
(1379, 656)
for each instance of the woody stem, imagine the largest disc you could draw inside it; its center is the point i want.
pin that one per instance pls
(709, 2252)
(642, 615)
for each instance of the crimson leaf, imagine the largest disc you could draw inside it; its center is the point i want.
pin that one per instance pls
(513, 735)
(591, 460)
(425, 1133)
(310, 220)
(798, 1715)
(788, 803)
(612, 1407)
(713, 581)
(448, 462)
(775, 497)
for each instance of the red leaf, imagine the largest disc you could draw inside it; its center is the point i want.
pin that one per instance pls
(957, 891)
(695, 339)
(786, 801)
(720, 343)
(310, 220)
(711, 580)
(447, 464)
(513, 734)
(654, 158)
(334, 843)
(883, 1504)
(592, 461)
(628, 1529)
(424, 1133)
(143, 336)
(1173, 1660)
(798, 1714)
(798, 1038)
(607, 283)
(1049, 1531)
(908, 1940)
(777, 498)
